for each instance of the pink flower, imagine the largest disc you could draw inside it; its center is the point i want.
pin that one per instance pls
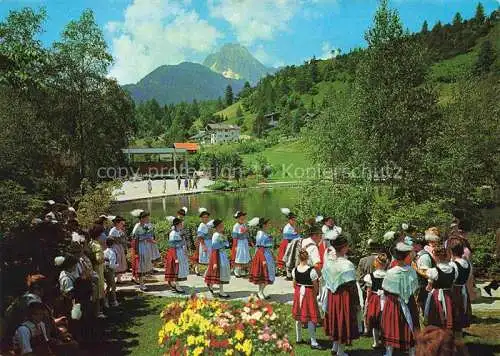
(266, 337)
(274, 336)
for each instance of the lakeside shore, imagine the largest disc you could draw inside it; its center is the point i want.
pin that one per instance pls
(138, 190)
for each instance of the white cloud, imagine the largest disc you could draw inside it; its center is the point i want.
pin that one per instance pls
(267, 59)
(255, 20)
(154, 33)
(328, 50)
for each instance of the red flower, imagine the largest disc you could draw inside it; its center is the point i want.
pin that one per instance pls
(269, 309)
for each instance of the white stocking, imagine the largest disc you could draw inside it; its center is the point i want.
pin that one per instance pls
(412, 351)
(388, 350)
(298, 331)
(311, 328)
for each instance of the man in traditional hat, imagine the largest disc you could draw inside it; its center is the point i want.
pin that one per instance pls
(310, 244)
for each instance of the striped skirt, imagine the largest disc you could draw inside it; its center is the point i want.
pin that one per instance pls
(308, 310)
(341, 321)
(396, 331)
(262, 269)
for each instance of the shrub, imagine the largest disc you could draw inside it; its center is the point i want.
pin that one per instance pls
(483, 249)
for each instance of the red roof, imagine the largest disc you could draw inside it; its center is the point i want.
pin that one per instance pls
(190, 146)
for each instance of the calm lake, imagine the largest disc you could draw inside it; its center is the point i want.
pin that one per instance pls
(262, 202)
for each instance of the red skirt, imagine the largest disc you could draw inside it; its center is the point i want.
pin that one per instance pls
(436, 315)
(259, 274)
(233, 252)
(341, 322)
(212, 276)
(461, 315)
(395, 330)
(171, 268)
(309, 310)
(373, 312)
(134, 260)
(281, 253)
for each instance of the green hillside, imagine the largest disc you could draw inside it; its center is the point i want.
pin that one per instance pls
(284, 158)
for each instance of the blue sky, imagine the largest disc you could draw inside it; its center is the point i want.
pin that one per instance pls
(144, 34)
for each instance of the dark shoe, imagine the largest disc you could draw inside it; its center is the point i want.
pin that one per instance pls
(318, 347)
(211, 290)
(179, 291)
(225, 296)
(289, 278)
(301, 342)
(487, 289)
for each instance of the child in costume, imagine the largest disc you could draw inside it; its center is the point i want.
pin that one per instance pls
(375, 297)
(263, 269)
(305, 306)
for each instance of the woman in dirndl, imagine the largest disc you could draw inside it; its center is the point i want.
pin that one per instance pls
(263, 269)
(240, 251)
(204, 240)
(400, 321)
(342, 302)
(462, 311)
(375, 297)
(219, 270)
(117, 232)
(176, 262)
(305, 308)
(289, 233)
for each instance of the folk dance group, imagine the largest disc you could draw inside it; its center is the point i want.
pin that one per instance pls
(422, 276)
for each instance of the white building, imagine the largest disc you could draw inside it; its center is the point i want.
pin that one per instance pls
(219, 133)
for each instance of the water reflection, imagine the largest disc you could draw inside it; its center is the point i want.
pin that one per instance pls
(256, 202)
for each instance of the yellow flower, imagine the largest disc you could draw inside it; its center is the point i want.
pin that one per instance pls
(228, 352)
(247, 347)
(198, 351)
(191, 340)
(239, 335)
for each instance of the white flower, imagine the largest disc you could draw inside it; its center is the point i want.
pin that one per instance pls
(257, 315)
(273, 316)
(246, 309)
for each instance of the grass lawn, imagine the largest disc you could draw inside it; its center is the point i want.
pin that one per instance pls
(133, 328)
(280, 156)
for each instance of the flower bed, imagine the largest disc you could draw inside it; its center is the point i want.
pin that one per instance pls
(199, 326)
